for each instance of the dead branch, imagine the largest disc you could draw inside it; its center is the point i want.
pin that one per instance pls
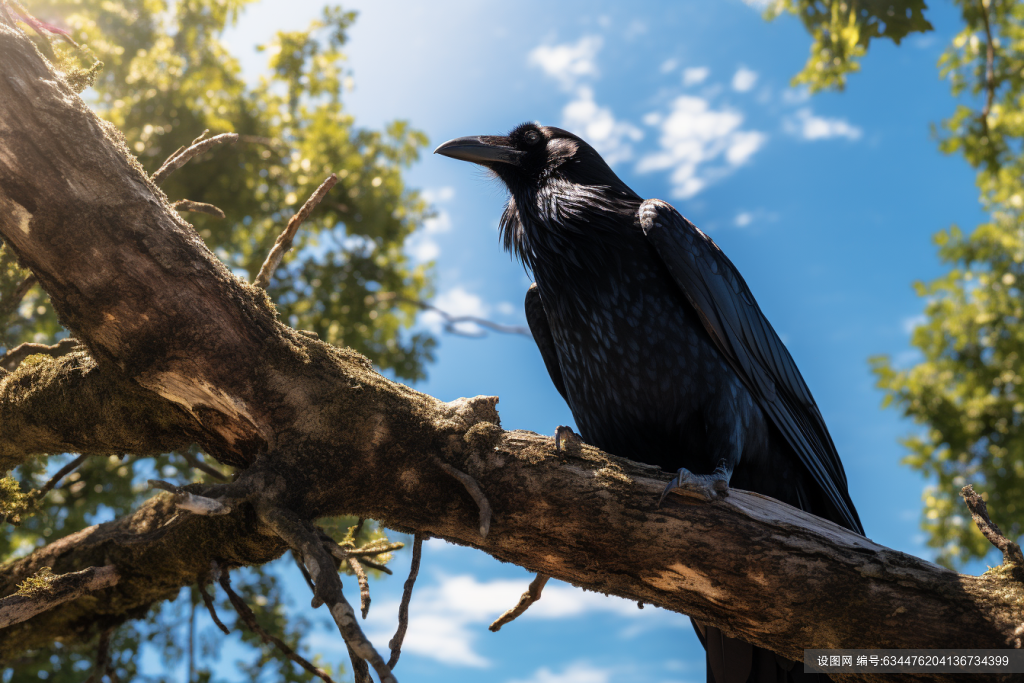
(284, 240)
(451, 321)
(249, 618)
(1012, 554)
(186, 500)
(531, 596)
(12, 359)
(182, 156)
(473, 487)
(327, 585)
(364, 585)
(210, 607)
(10, 304)
(193, 460)
(61, 589)
(403, 608)
(197, 207)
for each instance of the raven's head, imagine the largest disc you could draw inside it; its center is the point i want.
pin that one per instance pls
(532, 155)
(539, 163)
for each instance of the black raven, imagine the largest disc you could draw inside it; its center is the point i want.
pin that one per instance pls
(656, 343)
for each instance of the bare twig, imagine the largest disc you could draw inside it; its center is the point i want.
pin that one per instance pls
(8, 305)
(531, 596)
(475, 491)
(364, 585)
(303, 537)
(197, 207)
(64, 588)
(360, 669)
(181, 157)
(371, 549)
(284, 240)
(12, 359)
(376, 565)
(403, 609)
(211, 608)
(305, 574)
(61, 473)
(185, 500)
(990, 79)
(979, 511)
(250, 620)
(198, 464)
(451, 321)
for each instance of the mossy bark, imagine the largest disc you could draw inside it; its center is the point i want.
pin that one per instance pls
(181, 350)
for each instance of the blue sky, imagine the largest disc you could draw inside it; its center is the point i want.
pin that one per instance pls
(826, 204)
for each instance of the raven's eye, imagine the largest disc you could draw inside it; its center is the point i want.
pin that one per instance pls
(531, 137)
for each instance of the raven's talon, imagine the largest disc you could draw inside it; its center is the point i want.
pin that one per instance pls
(707, 487)
(570, 439)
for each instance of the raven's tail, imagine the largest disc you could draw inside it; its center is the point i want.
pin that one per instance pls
(733, 661)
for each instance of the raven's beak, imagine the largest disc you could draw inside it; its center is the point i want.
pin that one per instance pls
(481, 149)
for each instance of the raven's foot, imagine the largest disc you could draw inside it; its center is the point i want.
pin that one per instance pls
(564, 436)
(707, 487)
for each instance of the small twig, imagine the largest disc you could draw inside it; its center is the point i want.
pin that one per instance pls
(61, 473)
(16, 608)
(531, 596)
(211, 608)
(364, 585)
(12, 359)
(376, 565)
(284, 240)
(403, 609)
(979, 511)
(475, 491)
(8, 305)
(199, 505)
(303, 537)
(450, 321)
(197, 207)
(198, 464)
(181, 157)
(250, 620)
(305, 574)
(369, 550)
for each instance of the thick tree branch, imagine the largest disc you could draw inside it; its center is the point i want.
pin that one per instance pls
(317, 432)
(64, 588)
(12, 359)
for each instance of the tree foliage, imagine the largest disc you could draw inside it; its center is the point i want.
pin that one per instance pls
(161, 73)
(965, 392)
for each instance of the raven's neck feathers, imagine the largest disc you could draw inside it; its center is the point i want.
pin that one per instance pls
(566, 221)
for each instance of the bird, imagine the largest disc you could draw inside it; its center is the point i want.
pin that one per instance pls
(656, 343)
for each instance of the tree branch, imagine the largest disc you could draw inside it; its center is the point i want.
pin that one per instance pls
(61, 589)
(10, 304)
(182, 157)
(532, 595)
(12, 359)
(316, 432)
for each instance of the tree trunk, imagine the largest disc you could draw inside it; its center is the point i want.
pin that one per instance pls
(180, 350)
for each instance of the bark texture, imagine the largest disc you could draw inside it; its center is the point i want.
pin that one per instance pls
(181, 350)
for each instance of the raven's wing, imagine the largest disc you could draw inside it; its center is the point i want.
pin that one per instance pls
(745, 337)
(537, 319)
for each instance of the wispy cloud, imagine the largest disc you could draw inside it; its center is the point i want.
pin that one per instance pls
(744, 79)
(598, 126)
(669, 65)
(456, 302)
(447, 618)
(806, 125)
(568, 63)
(759, 5)
(579, 672)
(699, 144)
(695, 74)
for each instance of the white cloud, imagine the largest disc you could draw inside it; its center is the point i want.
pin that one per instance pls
(568, 63)
(434, 195)
(759, 5)
(796, 95)
(804, 124)
(700, 145)
(695, 74)
(598, 126)
(421, 245)
(913, 322)
(743, 219)
(422, 249)
(744, 79)
(448, 617)
(456, 302)
(669, 65)
(580, 672)
(505, 308)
